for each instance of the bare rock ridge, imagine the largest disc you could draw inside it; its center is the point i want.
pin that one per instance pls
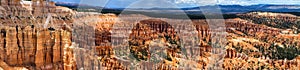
(277, 20)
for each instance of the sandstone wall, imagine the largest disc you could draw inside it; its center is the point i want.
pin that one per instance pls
(33, 47)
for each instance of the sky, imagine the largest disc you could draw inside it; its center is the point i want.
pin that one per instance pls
(176, 3)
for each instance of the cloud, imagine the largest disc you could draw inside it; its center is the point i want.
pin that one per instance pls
(237, 2)
(152, 4)
(278, 1)
(94, 2)
(120, 3)
(198, 2)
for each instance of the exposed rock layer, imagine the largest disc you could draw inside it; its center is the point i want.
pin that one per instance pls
(33, 47)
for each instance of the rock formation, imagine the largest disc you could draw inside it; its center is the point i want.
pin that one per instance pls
(25, 43)
(33, 47)
(42, 36)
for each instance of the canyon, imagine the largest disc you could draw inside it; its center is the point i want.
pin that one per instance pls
(42, 36)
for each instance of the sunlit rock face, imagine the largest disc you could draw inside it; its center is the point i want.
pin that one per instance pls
(35, 12)
(144, 34)
(41, 36)
(30, 45)
(103, 28)
(140, 38)
(260, 44)
(92, 42)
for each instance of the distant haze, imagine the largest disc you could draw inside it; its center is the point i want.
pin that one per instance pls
(178, 3)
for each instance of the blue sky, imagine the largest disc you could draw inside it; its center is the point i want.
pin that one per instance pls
(177, 3)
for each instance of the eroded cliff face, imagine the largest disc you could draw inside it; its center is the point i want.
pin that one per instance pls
(32, 40)
(276, 20)
(67, 40)
(252, 45)
(33, 48)
(81, 48)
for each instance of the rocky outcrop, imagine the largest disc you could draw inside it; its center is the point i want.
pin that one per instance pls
(48, 37)
(33, 47)
(19, 13)
(26, 41)
(151, 29)
(255, 46)
(4, 66)
(277, 20)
